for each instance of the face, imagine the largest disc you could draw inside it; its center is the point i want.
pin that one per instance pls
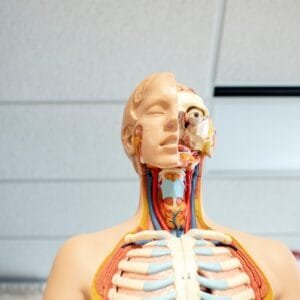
(163, 116)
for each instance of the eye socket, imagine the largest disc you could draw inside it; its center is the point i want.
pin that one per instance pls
(196, 113)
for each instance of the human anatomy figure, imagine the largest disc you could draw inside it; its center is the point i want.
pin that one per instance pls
(170, 249)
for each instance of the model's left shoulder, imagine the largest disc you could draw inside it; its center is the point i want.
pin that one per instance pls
(282, 265)
(276, 262)
(285, 265)
(280, 257)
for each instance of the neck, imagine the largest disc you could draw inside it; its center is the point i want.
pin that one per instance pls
(171, 199)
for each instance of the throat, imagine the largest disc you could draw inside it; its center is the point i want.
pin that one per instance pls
(171, 198)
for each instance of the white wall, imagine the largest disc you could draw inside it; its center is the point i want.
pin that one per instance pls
(67, 68)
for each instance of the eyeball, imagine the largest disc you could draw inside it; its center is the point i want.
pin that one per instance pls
(195, 113)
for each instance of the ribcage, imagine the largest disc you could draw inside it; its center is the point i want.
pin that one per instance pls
(198, 265)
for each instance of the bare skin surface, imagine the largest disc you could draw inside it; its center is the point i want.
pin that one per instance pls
(150, 135)
(77, 260)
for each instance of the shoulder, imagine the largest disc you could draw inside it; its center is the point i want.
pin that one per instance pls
(65, 278)
(279, 257)
(77, 261)
(283, 263)
(277, 263)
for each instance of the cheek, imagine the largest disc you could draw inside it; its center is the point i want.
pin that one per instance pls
(155, 122)
(152, 131)
(150, 141)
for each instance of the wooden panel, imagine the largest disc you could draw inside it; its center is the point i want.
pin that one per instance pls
(257, 205)
(27, 258)
(91, 50)
(62, 141)
(23, 292)
(260, 42)
(267, 206)
(256, 135)
(83, 141)
(64, 209)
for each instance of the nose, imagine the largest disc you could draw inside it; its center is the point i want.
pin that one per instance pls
(175, 123)
(172, 124)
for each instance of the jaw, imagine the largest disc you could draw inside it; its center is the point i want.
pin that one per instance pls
(183, 157)
(165, 161)
(163, 157)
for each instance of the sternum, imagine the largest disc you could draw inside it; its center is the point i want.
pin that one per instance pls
(185, 268)
(192, 286)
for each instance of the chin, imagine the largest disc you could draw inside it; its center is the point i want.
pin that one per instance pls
(167, 161)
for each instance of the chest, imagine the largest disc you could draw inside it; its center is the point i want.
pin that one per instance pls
(201, 264)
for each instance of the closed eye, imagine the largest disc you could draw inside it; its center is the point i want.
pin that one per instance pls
(155, 110)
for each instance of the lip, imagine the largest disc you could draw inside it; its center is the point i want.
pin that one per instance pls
(183, 148)
(171, 140)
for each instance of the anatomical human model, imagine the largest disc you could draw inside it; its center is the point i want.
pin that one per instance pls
(170, 249)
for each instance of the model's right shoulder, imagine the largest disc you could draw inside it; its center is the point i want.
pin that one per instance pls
(65, 280)
(77, 261)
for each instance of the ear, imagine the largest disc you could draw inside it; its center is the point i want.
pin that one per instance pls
(128, 141)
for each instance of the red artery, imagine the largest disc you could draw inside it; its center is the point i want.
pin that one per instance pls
(188, 199)
(155, 200)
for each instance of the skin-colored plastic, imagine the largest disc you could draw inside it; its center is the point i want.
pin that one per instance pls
(150, 135)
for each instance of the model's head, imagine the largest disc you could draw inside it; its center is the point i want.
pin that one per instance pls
(163, 118)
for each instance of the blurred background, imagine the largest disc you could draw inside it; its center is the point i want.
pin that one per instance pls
(66, 71)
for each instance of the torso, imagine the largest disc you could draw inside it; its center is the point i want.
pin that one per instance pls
(99, 246)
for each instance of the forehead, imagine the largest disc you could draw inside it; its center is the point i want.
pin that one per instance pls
(159, 89)
(186, 100)
(165, 90)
